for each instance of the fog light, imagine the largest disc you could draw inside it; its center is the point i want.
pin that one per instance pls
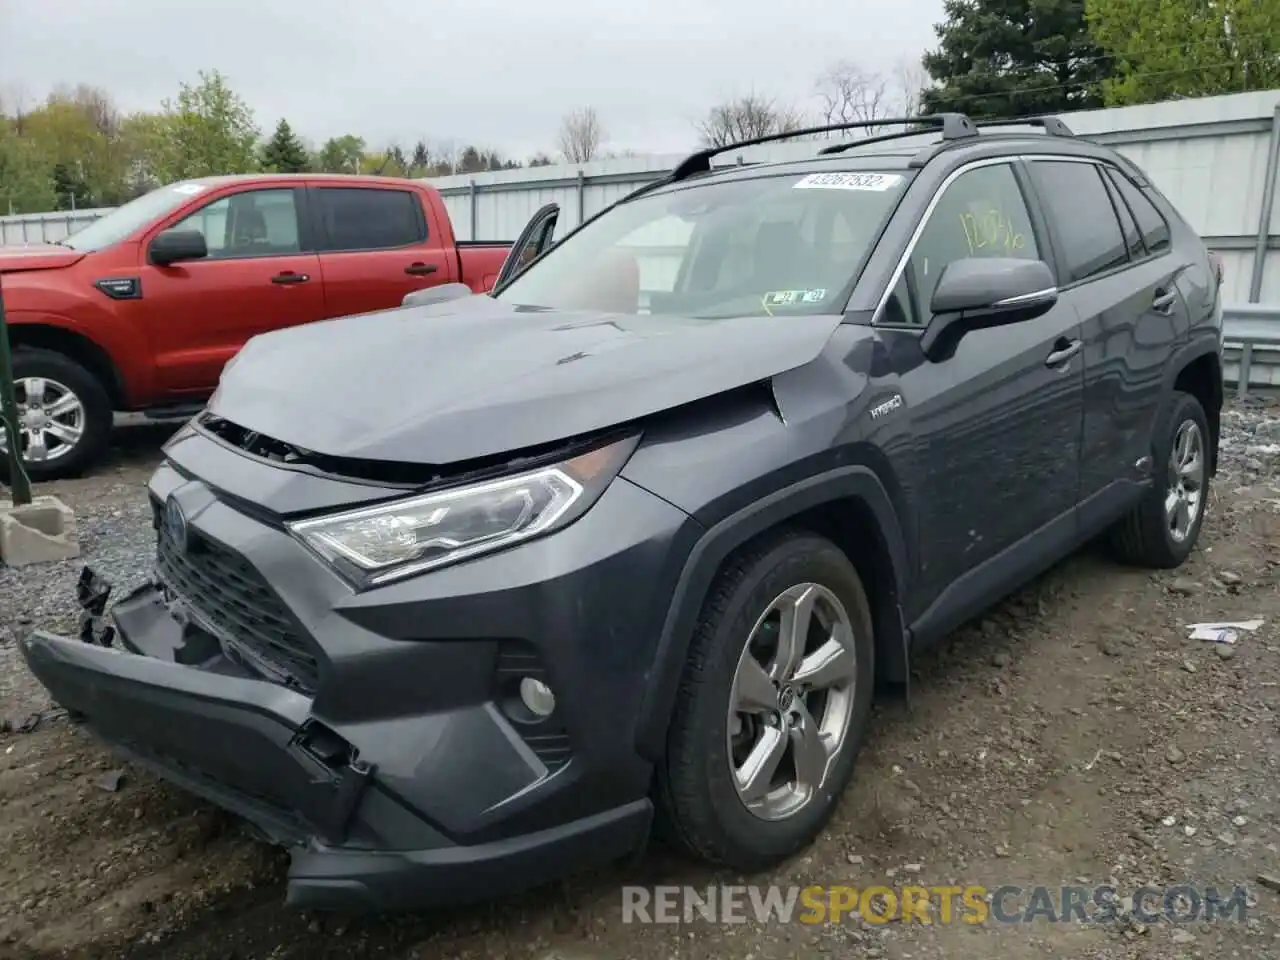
(537, 696)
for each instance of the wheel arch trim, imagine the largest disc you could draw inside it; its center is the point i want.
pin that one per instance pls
(720, 540)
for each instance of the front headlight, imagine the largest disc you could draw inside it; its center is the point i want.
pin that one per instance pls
(375, 545)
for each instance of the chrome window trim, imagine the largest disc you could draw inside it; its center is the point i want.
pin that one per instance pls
(1009, 160)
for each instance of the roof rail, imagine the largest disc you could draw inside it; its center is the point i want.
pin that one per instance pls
(1052, 126)
(954, 126)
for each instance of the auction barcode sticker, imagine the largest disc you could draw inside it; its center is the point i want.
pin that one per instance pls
(849, 181)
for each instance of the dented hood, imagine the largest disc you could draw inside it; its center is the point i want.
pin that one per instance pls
(37, 256)
(477, 377)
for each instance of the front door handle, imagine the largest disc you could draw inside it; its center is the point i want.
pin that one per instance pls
(420, 269)
(1163, 301)
(1063, 350)
(288, 276)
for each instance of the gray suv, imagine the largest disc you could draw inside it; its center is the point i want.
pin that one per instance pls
(456, 598)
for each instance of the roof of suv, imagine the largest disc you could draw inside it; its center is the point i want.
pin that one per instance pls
(912, 148)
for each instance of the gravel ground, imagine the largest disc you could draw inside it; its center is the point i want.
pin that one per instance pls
(1072, 736)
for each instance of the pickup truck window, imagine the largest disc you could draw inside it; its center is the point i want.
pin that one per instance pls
(256, 223)
(132, 216)
(364, 218)
(766, 246)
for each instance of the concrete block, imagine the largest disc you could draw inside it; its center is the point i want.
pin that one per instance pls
(43, 531)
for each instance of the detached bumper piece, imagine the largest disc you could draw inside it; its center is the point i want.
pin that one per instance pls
(239, 742)
(160, 690)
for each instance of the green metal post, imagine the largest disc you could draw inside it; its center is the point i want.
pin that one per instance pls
(19, 485)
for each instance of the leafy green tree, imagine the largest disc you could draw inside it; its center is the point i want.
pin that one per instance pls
(1186, 48)
(1011, 58)
(26, 183)
(208, 131)
(284, 152)
(341, 155)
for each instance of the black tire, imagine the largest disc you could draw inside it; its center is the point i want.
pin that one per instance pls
(699, 806)
(1144, 537)
(96, 433)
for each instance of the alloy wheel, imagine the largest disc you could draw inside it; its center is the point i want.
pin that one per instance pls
(791, 701)
(51, 419)
(1184, 496)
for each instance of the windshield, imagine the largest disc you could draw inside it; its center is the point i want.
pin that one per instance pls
(122, 221)
(767, 246)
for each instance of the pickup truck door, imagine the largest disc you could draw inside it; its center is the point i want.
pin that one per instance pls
(376, 245)
(534, 240)
(259, 275)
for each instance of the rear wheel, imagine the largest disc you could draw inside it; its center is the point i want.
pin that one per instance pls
(64, 415)
(1162, 530)
(772, 706)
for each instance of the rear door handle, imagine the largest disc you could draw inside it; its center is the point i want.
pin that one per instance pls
(1063, 350)
(420, 269)
(288, 276)
(1163, 301)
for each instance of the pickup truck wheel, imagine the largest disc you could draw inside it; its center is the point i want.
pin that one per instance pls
(772, 706)
(64, 414)
(1162, 530)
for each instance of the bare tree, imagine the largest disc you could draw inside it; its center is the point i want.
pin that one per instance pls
(910, 80)
(16, 99)
(850, 94)
(581, 136)
(745, 118)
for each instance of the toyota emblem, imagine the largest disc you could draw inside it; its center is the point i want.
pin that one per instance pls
(175, 521)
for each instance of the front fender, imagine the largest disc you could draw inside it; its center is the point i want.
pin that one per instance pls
(707, 556)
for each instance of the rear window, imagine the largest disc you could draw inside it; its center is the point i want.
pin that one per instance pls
(768, 246)
(367, 218)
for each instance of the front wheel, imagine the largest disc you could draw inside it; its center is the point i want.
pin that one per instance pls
(772, 706)
(64, 415)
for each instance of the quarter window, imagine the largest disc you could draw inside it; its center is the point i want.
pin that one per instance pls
(1154, 228)
(1077, 203)
(1132, 238)
(982, 214)
(256, 223)
(363, 218)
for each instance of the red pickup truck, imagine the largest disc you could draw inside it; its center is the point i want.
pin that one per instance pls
(140, 310)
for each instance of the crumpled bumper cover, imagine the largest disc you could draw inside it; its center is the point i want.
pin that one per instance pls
(154, 688)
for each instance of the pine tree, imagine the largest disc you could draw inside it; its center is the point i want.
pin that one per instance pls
(1014, 58)
(284, 152)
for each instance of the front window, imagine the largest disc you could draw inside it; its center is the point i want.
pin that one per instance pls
(124, 221)
(765, 246)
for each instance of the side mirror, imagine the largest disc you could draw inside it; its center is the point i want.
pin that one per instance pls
(980, 292)
(174, 246)
(440, 294)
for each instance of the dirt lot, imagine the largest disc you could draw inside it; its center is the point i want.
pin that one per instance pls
(1073, 736)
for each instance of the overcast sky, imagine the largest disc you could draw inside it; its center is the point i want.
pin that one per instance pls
(496, 72)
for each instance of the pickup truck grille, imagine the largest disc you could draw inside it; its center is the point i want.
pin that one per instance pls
(230, 598)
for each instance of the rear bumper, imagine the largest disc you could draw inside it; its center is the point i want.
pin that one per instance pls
(251, 747)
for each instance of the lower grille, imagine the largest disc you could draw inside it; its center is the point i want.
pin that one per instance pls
(230, 598)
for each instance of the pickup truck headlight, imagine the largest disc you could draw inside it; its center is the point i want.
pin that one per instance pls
(375, 545)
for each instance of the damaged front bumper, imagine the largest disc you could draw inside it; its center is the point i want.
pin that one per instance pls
(161, 690)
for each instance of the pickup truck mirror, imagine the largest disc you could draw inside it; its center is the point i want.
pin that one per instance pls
(979, 292)
(173, 246)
